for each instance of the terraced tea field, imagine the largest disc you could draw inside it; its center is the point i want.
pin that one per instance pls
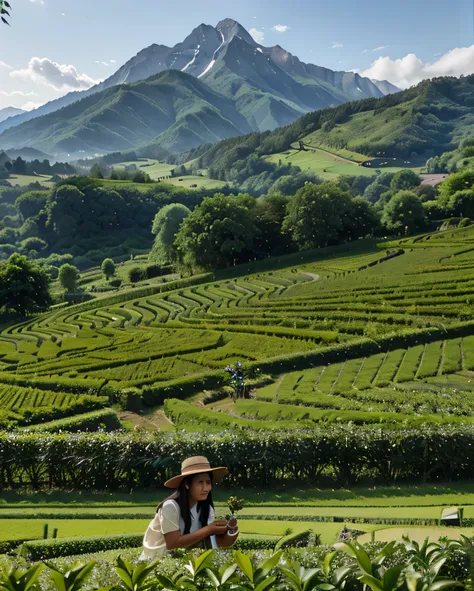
(331, 336)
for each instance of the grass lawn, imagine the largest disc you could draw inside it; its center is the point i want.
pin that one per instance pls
(397, 496)
(417, 533)
(326, 163)
(11, 529)
(23, 179)
(153, 168)
(146, 511)
(202, 182)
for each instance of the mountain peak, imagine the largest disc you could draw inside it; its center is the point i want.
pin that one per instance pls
(229, 28)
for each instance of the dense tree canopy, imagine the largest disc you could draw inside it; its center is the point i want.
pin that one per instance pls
(317, 214)
(30, 204)
(68, 277)
(404, 180)
(165, 227)
(108, 268)
(217, 233)
(24, 286)
(404, 212)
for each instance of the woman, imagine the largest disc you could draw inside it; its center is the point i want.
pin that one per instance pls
(186, 519)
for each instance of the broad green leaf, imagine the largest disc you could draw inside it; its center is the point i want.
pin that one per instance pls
(203, 560)
(166, 583)
(440, 585)
(212, 577)
(387, 550)
(328, 561)
(372, 582)
(391, 577)
(267, 566)
(265, 583)
(58, 580)
(30, 577)
(245, 564)
(228, 573)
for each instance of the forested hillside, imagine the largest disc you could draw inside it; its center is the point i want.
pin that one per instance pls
(417, 123)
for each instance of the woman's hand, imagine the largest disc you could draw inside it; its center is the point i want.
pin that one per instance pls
(217, 528)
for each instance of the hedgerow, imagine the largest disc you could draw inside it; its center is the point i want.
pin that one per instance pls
(339, 454)
(90, 421)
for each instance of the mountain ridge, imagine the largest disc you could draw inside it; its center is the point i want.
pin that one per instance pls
(197, 56)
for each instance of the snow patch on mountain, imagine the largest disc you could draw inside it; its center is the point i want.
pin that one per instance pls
(196, 53)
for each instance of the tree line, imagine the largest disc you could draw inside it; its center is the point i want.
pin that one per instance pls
(227, 230)
(17, 165)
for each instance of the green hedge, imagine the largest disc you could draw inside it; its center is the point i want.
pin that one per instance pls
(90, 421)
(8, 546)
(80, 405)
(182, 388)
(298, 540)
(337, 454)
(54, 548)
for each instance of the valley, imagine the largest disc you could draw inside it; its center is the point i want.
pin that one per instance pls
(234, 276)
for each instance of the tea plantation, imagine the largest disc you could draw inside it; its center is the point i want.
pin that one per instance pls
(384, 335)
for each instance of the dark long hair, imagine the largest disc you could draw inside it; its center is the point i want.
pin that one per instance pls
(181, 496)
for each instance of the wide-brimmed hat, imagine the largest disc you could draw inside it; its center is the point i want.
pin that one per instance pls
(196, 465)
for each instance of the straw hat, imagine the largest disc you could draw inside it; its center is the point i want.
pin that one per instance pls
(196, 465)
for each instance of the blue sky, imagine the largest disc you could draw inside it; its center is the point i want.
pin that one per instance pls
(89, 39)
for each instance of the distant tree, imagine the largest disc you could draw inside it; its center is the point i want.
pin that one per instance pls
(404, 210)
(216, 234)
(8, 235)
(8, 165)
(108, 268)
(30, 204)
(96, 172)
(19, 166)
(373, 192)
(462, 203)
(361, 219)
(33, 243)
(165, 227)
(68, 277)
(315, 215)
(24, 286)
(268, 214)
(404, 180)
(289, 184)
(136, 274)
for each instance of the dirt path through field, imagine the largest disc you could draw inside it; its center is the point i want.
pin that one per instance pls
(158, 421)
(314, 276)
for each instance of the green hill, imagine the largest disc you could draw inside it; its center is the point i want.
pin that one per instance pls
(172, 110)
(415, 124)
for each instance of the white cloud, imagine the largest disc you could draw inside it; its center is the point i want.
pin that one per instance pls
(5, 65)
(258, 36)
(380, 47)
(15, 93)
(336, 45)
(63, 14)
(113, 61)
(365, 51)
(410, 70)
(48, 73)
(30, 105)
(281, 28)
(37, 2)
(103, 63)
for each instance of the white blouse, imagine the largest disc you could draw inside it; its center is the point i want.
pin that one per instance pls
(166, 520)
